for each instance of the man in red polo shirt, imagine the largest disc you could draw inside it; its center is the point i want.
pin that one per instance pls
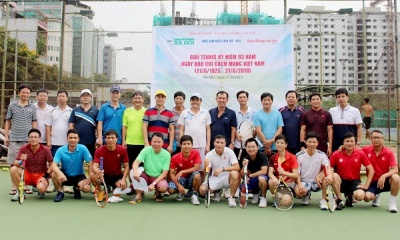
(184, 171)
(347, 163)
(385, 177)
(37, 158)
(114, 156)
(289, 165)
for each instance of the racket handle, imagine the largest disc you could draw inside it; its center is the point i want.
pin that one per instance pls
(101, 163)
(324, 167)
(245, 170)
(207, 167)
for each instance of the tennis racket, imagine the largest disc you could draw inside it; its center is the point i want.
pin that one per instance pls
(246, 131)
(103, 188)
(283, 196)
(330, 195)
(208, 191)
(21, 186)
(243, 200)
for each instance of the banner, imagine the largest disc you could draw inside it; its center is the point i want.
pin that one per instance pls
(207, 59)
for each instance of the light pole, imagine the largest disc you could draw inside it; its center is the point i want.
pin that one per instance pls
(296, 11)
(117, 51)
(3, 75)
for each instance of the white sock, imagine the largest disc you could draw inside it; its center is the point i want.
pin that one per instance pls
(392, 199)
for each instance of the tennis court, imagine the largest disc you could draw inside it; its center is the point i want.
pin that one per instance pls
(82, 219)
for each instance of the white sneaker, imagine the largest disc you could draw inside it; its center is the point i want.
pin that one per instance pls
(392, 207)
(377, 202)
(195, 199)
(306, 200)
(232, 202)
(323, 204)
(263, 202)
(255, 198)
(50, 188)
(179, 197)
(67, 189)
(227, 193)
(217, 197)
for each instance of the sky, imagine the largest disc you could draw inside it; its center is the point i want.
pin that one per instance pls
(133, 21)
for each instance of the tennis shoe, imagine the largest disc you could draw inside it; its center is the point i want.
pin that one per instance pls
(339, 204)
(323, 205)
(15, 198)
(376, 202)
(159, 198)
(217, 196)
(179, 197)
(392, 207)
(306, 200)
(349, 201)
(77, 193)
(255, 199)
(195, 199)
(232, 202)
(59, 197)
(263, 202)
(40, 195)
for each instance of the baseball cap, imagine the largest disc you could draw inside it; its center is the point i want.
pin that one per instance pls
(162, 92)
(115, 88)
(86, 91)
(196, 94)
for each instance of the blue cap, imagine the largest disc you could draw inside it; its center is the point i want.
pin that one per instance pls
(115, 88)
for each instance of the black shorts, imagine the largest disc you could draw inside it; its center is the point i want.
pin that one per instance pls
(367, 122)
(133, 152)
(349, 186)
(73, 180)
(112, 180)
(91, 148)
(373, 188)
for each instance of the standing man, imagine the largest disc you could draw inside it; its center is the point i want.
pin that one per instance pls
(132, 133)
(110, 116)
(179, 99)
(368, 116)
(42, 111)
(36, 157)
(225, 171)
(83, 119)
(345, 119)
(311, 161)
(161, 120)
(71, 158)
(243, 113)
(291, 115)
(386, 178)
(57, 123)
(347, 165)
(268, 123)
(114, 157)
(223, 120)
(156, 162)
(184, 171)
(319, 121)
(20, 118)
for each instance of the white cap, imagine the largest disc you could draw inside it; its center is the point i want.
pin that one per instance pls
(196, 94)
(86, 91)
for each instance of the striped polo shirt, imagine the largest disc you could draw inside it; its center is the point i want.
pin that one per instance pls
(159, 122)
(21, 118)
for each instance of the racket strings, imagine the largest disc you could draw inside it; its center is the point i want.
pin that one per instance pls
(283, 199)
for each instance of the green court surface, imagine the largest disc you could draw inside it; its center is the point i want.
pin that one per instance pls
(82, 219)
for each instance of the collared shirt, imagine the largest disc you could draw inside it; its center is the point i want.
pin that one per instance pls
(41, 114)
(222, 125)
(347, 166)
(288, 165)
(133, 121)
(225, 160)
(72, 162)
(179, 162)
(154, 163)
(21, 118)
(36, 162)
(381, 163)
(291, 121)
(176, 125)
(85, 123)
(310, 166)
(344, 120)
(318, 122)
(240, 117)
(112, 160)
(158, 122)
(58, 120)
(269, 123)
(112, 119)
(196, 126)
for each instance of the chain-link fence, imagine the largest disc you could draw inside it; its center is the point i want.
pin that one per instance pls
(110, 42)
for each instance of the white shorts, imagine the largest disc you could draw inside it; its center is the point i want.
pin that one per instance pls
(218, 183)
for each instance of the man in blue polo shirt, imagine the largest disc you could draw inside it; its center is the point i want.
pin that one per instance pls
(110, 116)
(291, 115)
(84, 119)
(223, 120)
(71, 158)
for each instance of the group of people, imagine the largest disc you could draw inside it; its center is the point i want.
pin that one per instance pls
(175, 147)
